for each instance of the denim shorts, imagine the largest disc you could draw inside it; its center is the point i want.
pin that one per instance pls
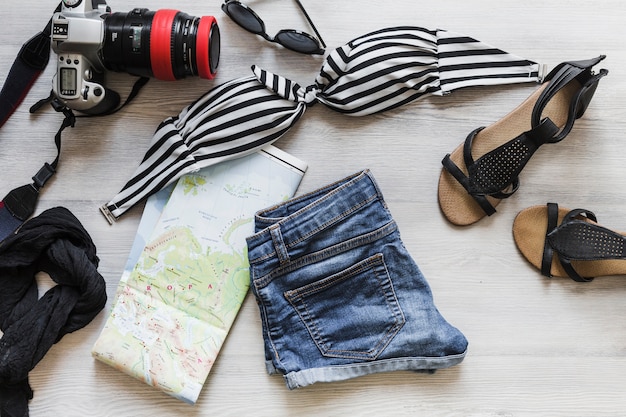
(338, 293)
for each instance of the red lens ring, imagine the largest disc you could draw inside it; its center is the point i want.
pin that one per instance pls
(203, 39)
(160, 44)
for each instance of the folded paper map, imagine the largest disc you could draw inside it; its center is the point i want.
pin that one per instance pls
(187, 273)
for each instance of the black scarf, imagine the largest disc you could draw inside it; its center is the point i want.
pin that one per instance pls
(56, 243)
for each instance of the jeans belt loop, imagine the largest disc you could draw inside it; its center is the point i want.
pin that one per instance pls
(279, 244)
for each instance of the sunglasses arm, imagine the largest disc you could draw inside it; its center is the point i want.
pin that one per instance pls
(311, 23)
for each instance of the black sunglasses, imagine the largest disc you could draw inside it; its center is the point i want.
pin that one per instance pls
(294, 40)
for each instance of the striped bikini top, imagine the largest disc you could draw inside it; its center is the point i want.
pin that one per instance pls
(376, 72)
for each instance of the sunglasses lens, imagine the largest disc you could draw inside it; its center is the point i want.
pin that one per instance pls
(244, 17)
(298, 41)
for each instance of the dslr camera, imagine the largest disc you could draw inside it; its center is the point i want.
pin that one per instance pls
(88, 39)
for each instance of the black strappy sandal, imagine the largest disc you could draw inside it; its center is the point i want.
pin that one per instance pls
(569, 243)
(485, 168)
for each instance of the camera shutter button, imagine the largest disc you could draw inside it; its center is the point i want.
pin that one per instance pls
(97, 91)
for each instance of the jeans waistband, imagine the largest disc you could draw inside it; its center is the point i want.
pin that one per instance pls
(287, 224)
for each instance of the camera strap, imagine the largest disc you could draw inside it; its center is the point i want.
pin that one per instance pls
(19, 204)
(28, 65)
(30, 62)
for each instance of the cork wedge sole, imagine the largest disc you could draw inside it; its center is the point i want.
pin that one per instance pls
(484, 169)
(531, 230)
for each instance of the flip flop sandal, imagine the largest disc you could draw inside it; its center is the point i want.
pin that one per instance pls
(484, 169)
(569, 243)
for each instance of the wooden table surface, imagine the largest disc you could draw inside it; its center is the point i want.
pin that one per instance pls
(537, 346)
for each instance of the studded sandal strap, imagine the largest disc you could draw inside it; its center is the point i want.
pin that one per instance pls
(456, 172)
(496, 173)
(563, 259)
(558, 78)
(496, 170)
(548, 253)
(577, 239)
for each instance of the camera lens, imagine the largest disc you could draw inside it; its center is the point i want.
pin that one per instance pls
(165, 44)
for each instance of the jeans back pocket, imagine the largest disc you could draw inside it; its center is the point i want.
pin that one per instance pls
(353, 314)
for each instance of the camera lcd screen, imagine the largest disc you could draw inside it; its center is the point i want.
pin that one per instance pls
(67, 81)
